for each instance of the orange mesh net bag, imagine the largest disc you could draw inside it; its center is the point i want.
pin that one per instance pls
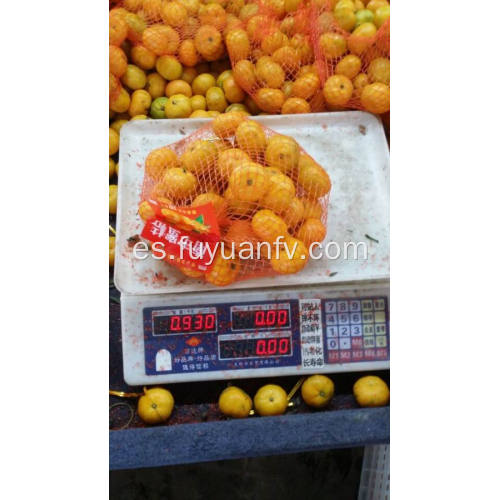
(263, 188)
(272, 57)
(352, 52)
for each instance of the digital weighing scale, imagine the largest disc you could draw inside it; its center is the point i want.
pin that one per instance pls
(333, 316)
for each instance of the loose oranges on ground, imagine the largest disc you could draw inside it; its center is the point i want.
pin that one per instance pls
(270, 400)
(234, 402)
(317, 391)
(155, 406)
(371, 391)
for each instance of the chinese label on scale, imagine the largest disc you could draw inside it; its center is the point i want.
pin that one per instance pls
(311, 335)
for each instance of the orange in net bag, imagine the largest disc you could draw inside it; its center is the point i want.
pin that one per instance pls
(273, 58)
(261, 187)
(352, 51)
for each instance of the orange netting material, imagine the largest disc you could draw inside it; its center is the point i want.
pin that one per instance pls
(261, 184)
(354, 68)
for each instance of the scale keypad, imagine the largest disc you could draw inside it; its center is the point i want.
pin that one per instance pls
(356, 330)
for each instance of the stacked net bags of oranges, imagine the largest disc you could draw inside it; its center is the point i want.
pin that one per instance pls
(351, 41)
(273, 59)
(266, 191)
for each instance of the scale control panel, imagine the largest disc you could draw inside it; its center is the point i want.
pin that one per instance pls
(282, 336)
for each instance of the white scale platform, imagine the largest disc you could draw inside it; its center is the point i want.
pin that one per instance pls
(333, 316)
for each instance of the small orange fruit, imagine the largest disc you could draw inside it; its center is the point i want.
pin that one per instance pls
(345, 18)
(312, 230)
(312, 177)
(268, 226)
(379, 70)
(244, 74)
(250, 137)
(225, 125)
(216, 100)
(159, 160)
(270, 400)
(136, 26)
(234, 6)
(258, 26)
(161, 39)
(239, 233)
(152, 9)
(199, 113)
(155, 85)
(208, 42)
(248, 181)
(273, 42)
(187, 54)
(229, 159)
(233, 92)
(176, 183)
(269, 73)
(174, 14)
(200, 156)
(248, 10)
(121, 101)
(332, 45)
(371, 391)
(234, 402)
(362, 38)
(118, 30)
(283, 153)
(360, 81)
(338, 90)
(202, 83)
(143, 57)
(155, 406)
(270, 100)
(317, 391)
(117, 61)
(190, 27)
(169, 67)
(306, 86)
(279, 194)
(348, 66)
(288, 58)
(223, 272)
(238, 44)
(294, 213)
(212, 14)
(295, 105)
(292, 256)
(218, 202)
(178, 87)
(376, 98)
(300, 42)
(198, 102)
(189, 74)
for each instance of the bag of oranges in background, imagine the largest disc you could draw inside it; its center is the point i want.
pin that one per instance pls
(351, 41)
(261, 187)
(273, 58)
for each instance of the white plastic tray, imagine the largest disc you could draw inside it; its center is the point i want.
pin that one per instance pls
(351, 146)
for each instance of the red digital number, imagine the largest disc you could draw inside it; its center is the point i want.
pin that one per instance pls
(186, 323)
(175, 323)
(198, 322)
(272, 346)
(271, 317)
(261, 347)
(209, 321)
(260, 319)
(282, 317)
(283, 346)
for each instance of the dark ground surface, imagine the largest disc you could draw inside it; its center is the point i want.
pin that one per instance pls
(332, 474)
